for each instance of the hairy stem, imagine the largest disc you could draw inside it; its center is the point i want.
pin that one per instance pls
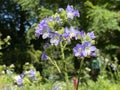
(65, 68)
(80, 71)
(55, 64)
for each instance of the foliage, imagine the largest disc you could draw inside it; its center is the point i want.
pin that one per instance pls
(4, 41)
(100, 84)
(29, 76)
(3, 44)
(16, 56)
(102, 19)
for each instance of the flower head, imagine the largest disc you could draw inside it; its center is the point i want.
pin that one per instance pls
(38, 32)
(57, 19)
(32, 73)
(88, 49)
(55, 38)
(53, 19)
(44, 56)
(43, 29)
(84, 50)
(69, 33)
(82, 33)
(50, 18)
(46, 33)
(69, 8)
(76, 13)
(91, 35)
(71, 12)
(87, 37)
(78, 50)
(60, 9)
(66, 34)
(18, 80)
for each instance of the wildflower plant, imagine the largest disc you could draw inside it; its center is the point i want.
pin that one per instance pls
(60, 31)
(28, 77)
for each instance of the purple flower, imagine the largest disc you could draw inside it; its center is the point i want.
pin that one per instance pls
(43, 25)
(55, 38)
(71, 12)
(18, 80)
(70, 33)
(38, 32)
(32, 73)
(44, 56)
(50, 19)
(87, 37)
(76, 13)
(78, 50)
(54, 19)
(84, 50)
(46, 45)
(70, 15)
(93, 54)
(66, 34)
(57, 19)
(60, 9)
(88, 49)
(69, 8)
(77, 34)
(82, 33)
(91, 35)
(46, 33)
(43, 29)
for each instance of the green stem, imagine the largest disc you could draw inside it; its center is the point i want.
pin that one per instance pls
(80, 71)
(63, 55)
(62, 51)
(65, 68)
(55, 64)
(57, 67)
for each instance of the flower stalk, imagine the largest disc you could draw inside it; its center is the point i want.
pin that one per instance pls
(55, 64)
(80, 71)
(65, 68)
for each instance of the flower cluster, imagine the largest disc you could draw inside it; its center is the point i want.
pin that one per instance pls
(85, 49)
(26, 75)
(56, 38)
(18, 80)
(69, 33)
(71, 12)
(29, 76)
(87, 37)
(47, 30)
(43, 29)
